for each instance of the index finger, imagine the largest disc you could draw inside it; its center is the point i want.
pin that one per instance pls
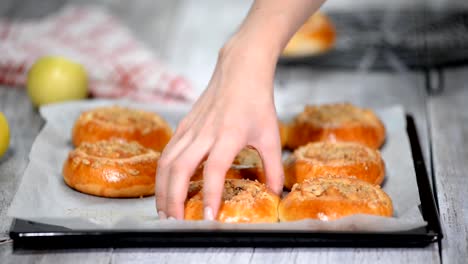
(219, 161)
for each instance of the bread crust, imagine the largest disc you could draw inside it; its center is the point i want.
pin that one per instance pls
(347, 159)
(336, 122)
(146, 128)
(284, 129)
(316, 36)
(113, 168)
(243, 201)
(330, 198)
(246, 165)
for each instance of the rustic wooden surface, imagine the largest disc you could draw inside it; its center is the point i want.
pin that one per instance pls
(184, 34)
(449, 132)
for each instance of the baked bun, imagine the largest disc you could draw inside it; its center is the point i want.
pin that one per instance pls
(246, 165)
(146, 128)
(283, 128)
(346, 159)
(243, 201)
(316, 36)
(330, 198)
(114, 168)
(336, 122)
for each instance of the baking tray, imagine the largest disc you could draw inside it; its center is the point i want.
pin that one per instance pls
(32, 235)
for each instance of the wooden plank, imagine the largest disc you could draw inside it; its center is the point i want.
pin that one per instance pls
(183, 255)
(24, 124)
(449, 132)
(7, 256)
(279, 255)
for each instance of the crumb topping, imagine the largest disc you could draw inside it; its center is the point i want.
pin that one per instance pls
(329, 152)
(342, 188)
(333, 114)
(114, 149)
(126, 117)
(248, 157)
(112, 152)
(241, 190)
(237, 191)
(194, 188)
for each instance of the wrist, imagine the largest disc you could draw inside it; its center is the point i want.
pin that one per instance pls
(249, 65)
(252, 50)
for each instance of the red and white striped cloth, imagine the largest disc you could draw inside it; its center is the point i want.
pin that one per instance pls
(118, 65)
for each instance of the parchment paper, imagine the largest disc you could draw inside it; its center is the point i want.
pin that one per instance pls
(43, 196)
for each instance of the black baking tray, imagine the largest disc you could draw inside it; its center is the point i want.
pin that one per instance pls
(31, 235)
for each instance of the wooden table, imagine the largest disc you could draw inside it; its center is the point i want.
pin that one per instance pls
(185, 36)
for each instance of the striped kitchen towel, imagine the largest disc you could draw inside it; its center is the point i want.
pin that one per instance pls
(118, 65)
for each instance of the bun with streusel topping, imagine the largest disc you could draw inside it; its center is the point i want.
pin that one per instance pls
(347, 159)
(330, 198)
(335, 122)
(113, 168)
(243, 201)
(102, 123)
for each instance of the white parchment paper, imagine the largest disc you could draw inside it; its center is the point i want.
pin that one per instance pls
(44, 197)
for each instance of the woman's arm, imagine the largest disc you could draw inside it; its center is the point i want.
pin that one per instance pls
(236, 109)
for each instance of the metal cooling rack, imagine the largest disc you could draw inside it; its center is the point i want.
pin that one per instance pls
(396, 39)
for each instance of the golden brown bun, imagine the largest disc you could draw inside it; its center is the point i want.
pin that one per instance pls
(146, 128)
(114, 168)
(246, 165)
(283, 128)
(336, 122)
(346, 159)
(316, 36)
(243, 201)
(330, 198)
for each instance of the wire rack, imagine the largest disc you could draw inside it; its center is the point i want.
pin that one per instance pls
(397, 39)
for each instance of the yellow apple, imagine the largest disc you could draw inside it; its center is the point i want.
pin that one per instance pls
(4, 134)
(56, 79)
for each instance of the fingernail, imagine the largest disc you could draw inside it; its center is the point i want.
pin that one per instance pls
(162, 215)
(208, 214)
(171, 218)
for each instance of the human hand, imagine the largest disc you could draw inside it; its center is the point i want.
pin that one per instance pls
(236, 109)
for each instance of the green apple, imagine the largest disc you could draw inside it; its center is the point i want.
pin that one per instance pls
(56, 79)
(4, 134)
